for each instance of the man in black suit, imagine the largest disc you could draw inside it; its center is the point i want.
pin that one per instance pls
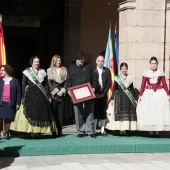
(80, 73)
(104, 82)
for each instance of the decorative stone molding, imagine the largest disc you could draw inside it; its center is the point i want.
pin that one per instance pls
(126, 4)
(168, 4)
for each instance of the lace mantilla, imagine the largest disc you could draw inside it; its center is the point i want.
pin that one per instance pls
(127, 82)
(40, 76)
(153, 75)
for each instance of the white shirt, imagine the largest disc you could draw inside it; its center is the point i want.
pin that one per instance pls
(100, 70)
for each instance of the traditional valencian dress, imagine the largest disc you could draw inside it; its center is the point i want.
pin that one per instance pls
(153, 110)
(35, 114)
(122, 116)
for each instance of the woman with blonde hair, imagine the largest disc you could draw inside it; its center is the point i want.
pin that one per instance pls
(57, 75)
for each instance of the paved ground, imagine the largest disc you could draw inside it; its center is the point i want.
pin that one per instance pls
(133, 161)
(128, 161)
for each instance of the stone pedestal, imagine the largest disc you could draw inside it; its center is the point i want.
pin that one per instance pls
(144, 31)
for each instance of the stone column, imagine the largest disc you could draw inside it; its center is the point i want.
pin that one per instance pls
(142, 34)
(167, 45)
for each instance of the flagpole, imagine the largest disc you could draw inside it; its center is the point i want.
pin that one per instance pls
(110, 25)
(116, 25)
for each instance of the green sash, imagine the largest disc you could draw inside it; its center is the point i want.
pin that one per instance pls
(128, 93)
(36, 82)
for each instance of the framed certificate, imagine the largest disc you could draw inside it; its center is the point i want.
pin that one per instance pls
(81, 93)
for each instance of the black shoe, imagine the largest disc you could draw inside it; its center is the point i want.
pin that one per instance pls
(60, 134)
(154, 136)
(79, 135)
(104, 134)
(92, 136)
(54, 135)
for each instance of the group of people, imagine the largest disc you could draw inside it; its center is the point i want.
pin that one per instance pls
(152, 110)
(41, 107)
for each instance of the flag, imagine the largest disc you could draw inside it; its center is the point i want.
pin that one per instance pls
(109, 63)
(116, 51)
(2, 47)
(2, 58)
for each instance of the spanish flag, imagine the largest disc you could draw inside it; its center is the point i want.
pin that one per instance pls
(2, 60)
(2, 47)
(109, 63)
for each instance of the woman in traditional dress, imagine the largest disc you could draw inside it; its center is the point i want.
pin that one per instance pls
(10, 97)
(153, 110)
(57, 75)
(35, 114)
(122, 106)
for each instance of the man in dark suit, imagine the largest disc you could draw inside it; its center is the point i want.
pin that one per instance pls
(80, 73)
(104, 82)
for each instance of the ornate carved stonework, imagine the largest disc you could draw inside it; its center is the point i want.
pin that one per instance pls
(126, 4)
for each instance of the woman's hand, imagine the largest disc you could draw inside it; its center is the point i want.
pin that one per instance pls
(17, 107)
(50, 100)
(139, 99)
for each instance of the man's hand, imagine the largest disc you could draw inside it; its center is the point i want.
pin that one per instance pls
(60, 93)
(69, 93)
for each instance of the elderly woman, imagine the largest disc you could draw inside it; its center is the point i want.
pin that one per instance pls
(10, 97)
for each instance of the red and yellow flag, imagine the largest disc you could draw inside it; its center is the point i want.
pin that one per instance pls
(109, 63)
(2, 47)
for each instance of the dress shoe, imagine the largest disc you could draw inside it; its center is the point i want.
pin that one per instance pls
(79, 135)
(154, 136)
(54, 135)
(60, 134)
(92, 136)
(104, 134)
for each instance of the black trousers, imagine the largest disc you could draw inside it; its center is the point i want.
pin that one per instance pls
(7, 124)
(100, 107)
(58, 109)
